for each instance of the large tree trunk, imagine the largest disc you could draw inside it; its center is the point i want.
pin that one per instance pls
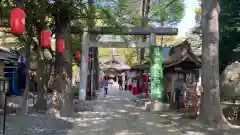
(41, 104)
(42, 76)
(210, 111)
(145, 12)
(90, 81)
(62, 86)
(96, 69)
(44, 58)
(44, 73)
(93, 68)
(26, 91)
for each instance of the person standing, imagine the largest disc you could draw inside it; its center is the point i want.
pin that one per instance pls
(105, 85)
(120, 83)
(125, 83)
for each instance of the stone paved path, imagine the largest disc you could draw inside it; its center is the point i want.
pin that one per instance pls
(116, 114)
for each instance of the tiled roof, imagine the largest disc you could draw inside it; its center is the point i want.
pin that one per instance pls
(115, 61)
(177, 54)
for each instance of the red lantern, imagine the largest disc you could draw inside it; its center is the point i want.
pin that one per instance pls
(89, 60)
(60, 46)
(77, 55)
(17, 21)
(46, 39)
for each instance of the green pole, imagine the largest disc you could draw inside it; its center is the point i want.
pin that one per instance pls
(156, 71)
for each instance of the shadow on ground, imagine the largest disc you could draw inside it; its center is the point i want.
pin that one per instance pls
(36, 124)
(188, 126)
(193, 127)
(115, 114)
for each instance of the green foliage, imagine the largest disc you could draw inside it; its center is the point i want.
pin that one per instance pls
(198, 14)
(120, 14)
(229, 22)
(37, 13)
(104, 52)
(130, 55)
(170, 11)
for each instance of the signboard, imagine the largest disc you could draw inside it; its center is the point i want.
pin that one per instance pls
(156, 74)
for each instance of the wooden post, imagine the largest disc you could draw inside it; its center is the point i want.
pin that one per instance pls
(1, 75)
(1, 68)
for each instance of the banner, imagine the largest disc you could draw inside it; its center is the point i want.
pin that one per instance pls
(156, 73)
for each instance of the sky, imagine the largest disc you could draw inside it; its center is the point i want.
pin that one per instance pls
(189, 17)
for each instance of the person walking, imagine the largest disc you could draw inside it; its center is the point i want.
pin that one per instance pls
(120, 83)
(125, 83)
(105, 85)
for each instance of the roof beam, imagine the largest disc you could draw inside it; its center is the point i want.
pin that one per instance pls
(127, 31)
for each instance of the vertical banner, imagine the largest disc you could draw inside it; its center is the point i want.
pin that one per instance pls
(156, 73)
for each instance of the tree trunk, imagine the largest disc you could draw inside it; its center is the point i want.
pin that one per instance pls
(93, 68)
(90, 81)
(62, 86)
(26, 91)
(43, 73)
(96, 69)
(145, 12)
(41, 104)
(210, 111)
(1, 99)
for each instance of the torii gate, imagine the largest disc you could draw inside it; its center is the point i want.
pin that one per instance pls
(156, 65)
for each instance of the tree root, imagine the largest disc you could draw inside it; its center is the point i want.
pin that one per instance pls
(225, 122)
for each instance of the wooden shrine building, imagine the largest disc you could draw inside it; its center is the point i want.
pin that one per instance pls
(181, 70)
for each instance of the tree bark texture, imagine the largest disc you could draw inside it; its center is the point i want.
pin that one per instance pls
(94, 67)
(41, 104)
(62, 85)
(145, 11)
(26, 91)
(210, 110)
(89, 82)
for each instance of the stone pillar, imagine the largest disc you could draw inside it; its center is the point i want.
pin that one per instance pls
(84, 67)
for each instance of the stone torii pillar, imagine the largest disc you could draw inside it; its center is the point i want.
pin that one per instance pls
(84, 66)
